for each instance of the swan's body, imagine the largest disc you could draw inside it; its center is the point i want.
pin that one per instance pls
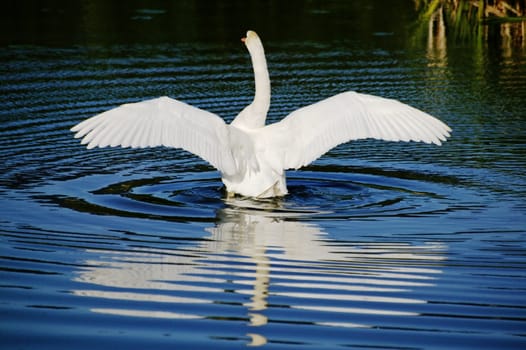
(251, 156)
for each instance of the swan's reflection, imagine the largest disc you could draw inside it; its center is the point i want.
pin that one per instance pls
(261, 253)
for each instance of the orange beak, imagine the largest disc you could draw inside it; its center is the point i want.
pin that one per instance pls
(243, 40)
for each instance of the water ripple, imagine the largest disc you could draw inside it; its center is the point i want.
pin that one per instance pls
(315, 194)
(377, 245)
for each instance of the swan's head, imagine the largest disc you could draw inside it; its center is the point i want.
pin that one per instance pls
(252, 41)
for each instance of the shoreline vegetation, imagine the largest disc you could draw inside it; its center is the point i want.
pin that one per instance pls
(487, 24)
(479, 10)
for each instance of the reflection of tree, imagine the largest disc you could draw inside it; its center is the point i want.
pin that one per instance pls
(470, 20)
(489, 48)
(436, 38)
(259, 254)
(479, 9)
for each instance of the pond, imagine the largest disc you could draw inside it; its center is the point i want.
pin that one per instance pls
(378, 245)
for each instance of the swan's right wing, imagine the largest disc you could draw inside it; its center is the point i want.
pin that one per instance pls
(161, 122)
(309, 132)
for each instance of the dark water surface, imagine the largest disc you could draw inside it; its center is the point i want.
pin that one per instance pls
(378, 245)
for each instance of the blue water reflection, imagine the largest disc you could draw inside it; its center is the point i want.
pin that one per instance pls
(263, 259)
(378, 245)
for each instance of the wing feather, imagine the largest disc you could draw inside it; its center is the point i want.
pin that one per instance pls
(161, 122)
(309, 132)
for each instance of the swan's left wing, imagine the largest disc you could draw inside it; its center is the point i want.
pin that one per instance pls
(309, 132)
(161, 122)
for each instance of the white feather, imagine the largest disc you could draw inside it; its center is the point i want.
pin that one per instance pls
(252, 157)
(161, 122)
(309, 132)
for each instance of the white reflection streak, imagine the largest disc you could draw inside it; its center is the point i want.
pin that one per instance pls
(148, 314)
(355, 310)
(245, 244)
(340, 287)
(350, 297)
(141, 297)
(344, 280)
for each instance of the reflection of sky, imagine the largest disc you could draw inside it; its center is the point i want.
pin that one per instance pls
(262, 255)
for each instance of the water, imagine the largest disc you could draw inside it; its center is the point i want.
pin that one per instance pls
(378, 245)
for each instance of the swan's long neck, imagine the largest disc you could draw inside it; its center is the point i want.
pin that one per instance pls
(254, 115)
(261, 101)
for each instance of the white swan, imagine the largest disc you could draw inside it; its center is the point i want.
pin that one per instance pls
(252, 157)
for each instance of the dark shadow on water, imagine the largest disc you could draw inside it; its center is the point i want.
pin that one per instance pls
(363, 193)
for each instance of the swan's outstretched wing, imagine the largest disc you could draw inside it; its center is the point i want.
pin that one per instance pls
(309, 132)
(161, 122)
